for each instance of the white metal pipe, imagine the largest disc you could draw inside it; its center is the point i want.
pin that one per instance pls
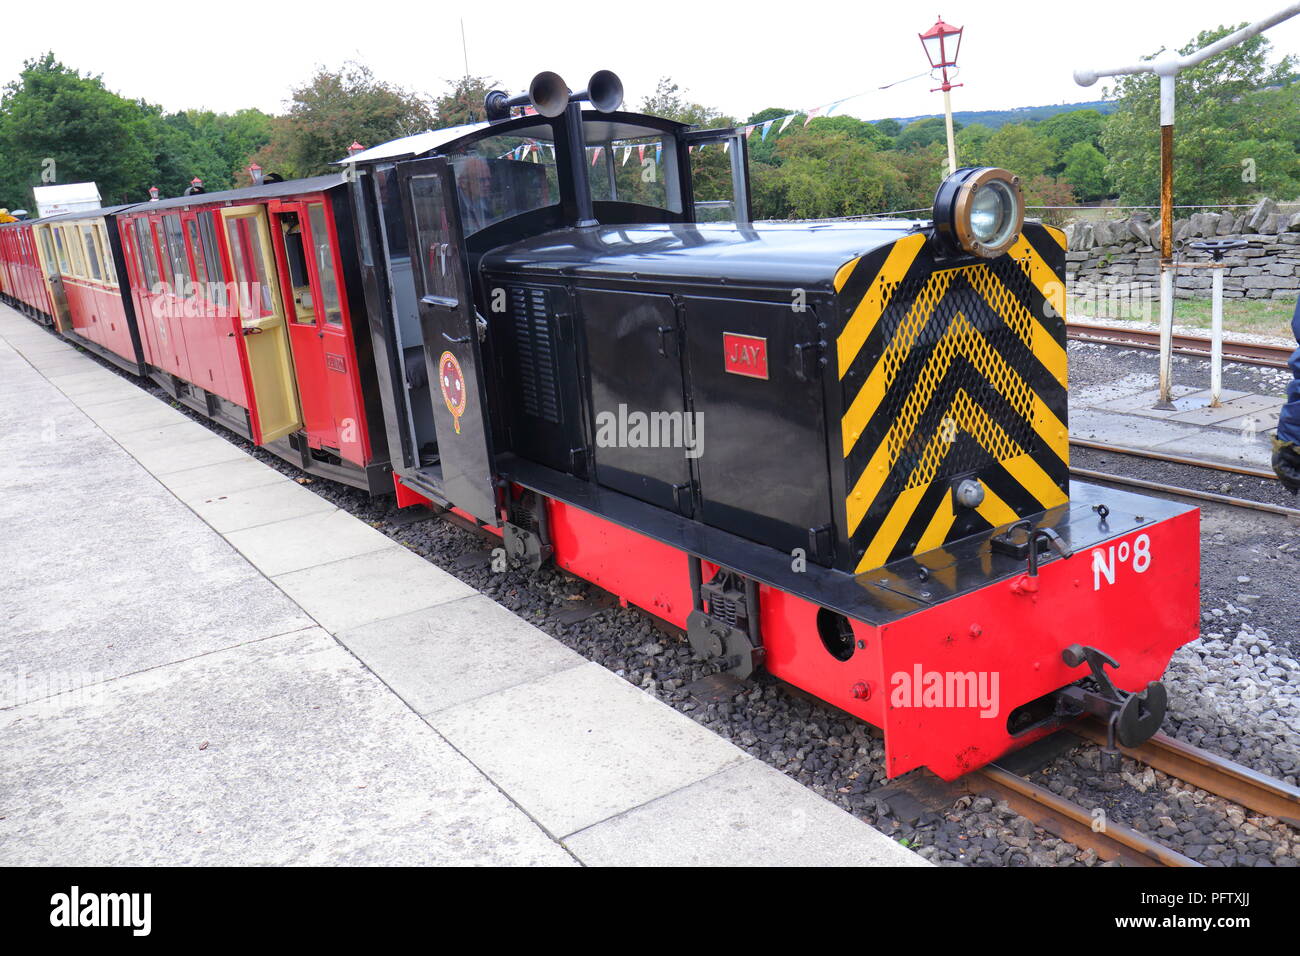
(952, 143)
(1173, 64)
(1216, 339)
(1166, 335)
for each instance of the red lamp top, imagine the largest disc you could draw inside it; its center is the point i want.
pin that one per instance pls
(938, 44)
(355, 148)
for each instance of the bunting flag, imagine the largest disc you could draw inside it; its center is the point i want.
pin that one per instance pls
(812, 115)
(659, 150)
(749, 131)
(595, 155)
(767, 126)
(627, 154)
(726, 146)
(640, 153)
(785, 123)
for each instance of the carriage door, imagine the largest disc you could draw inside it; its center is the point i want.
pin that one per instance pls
(719, 161)
(263, 337)
(305, 310)
(53, 278)
(449, 327)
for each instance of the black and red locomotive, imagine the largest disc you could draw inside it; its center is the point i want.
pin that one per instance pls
(836, 451)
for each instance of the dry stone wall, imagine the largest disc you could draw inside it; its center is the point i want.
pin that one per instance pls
(1124, 255)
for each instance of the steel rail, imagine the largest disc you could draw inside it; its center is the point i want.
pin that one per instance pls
(1074, 823)
(1210, 772)
(1175, 459)
(1250, 353)
(1186, 492)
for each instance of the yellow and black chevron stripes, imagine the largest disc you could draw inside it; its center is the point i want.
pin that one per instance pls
(950, 372)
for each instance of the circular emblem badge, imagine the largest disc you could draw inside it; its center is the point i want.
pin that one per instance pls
(452, 383)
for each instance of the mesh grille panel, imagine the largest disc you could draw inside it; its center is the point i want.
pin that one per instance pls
(947, 334)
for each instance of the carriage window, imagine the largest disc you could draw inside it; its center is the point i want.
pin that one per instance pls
(249, 263)
(48, 248)
(216, 270)
(110, 270)
(77, 252)
(62, 253)
(329, 286)
(92, 253)
(501, 177)
(148, 258)
(180, 267)
(200, 267)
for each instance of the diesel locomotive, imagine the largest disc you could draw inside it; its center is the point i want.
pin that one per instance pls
(836, 451)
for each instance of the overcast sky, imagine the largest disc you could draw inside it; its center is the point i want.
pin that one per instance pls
(739, 57)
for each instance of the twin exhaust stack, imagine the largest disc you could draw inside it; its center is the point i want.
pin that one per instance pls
(550, 95)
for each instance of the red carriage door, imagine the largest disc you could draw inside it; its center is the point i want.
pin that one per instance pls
(323, 355)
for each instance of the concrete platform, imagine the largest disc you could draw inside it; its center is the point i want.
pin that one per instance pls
(202, 662)
(1238, 431)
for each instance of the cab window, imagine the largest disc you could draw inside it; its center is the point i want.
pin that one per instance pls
(504, 176)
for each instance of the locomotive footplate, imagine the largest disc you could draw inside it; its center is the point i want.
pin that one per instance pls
(1131, 718)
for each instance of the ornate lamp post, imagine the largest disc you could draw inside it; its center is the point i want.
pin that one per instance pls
(941, 43)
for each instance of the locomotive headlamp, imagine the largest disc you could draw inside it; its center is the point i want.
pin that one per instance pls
(979, 210)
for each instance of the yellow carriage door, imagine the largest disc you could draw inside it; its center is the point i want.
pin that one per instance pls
(51, 274)
(263, 330)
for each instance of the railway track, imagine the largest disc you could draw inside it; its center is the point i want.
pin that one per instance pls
(1152, 455)
(1115, 841)
(1245, 503)
(1198, 346)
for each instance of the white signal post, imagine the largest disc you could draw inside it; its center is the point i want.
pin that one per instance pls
(1168, 67)
(941, 44)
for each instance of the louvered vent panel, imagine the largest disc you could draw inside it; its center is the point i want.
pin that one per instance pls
(534, 330)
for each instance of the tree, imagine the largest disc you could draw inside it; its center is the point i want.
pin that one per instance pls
(1049, 195)
(890, 127)
(54, 120)
(1063, 130)
(924, 132)
(972, 145)
(336, 108)
(1019, 148)
(1227, 122)
(669, 100)
(827, 173)
(462, 104)
(763, 149)
(1085, 169)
